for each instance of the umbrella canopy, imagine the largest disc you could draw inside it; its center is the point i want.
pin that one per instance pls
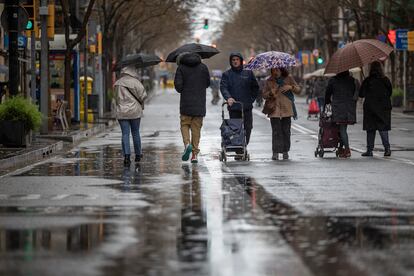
(204, 51)
(357, 54)
(138, 60)
(272, 59)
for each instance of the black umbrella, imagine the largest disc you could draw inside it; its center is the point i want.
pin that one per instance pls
(204, 51)
(138, 60)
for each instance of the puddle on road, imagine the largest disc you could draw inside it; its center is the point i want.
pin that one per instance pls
(341, 245)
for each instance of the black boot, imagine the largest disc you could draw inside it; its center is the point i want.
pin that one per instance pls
(127, 160)
(368, 153)
(387, 152)
(138, 157)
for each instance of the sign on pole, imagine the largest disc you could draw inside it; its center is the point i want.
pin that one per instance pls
(401, 42)
(410, 40)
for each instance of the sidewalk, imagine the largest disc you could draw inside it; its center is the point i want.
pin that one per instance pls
(45, 146)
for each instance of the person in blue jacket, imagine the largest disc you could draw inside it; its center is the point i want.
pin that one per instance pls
(240, 85)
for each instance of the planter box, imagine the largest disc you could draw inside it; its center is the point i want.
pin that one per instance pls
(14, 134)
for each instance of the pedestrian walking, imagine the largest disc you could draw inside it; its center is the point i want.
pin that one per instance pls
(240, 85)
(377, 90)
(215, 87)
(319, 91)
(342, 94)
(130, 96)
(280, 108)
(191, 80)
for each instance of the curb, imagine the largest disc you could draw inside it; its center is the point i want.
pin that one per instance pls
(32, 156)
(81, 135)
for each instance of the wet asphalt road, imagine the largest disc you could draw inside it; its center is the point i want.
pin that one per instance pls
(83, 213)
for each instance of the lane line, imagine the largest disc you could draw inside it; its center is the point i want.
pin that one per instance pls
(60, 197)
(30, 197)
(313, 134)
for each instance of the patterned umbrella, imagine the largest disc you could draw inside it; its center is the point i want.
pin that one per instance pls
(357, 54)
(272, 59)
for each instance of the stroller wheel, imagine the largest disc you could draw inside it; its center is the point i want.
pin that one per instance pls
(316, 153)
(321, 153)
(248, 157)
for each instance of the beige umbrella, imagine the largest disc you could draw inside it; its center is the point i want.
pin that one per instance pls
(357, 54)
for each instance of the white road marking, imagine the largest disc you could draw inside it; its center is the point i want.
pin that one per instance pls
(60, 197)
(30, 197)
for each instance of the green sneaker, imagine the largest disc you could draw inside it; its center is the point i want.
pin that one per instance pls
(187, 151)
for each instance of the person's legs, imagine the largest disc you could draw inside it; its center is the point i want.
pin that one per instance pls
(286, 125)
(125, 128)
(196, 125)
(185, 122)
(370, 143)
(136, 138)
(321, 103)
(385, 142)
(277, 136)
(344, 140)
(248, 124)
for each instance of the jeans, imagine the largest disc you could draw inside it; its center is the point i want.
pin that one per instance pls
(126, 126)
(194, 124)
(280, 134)
(371, 139)
(248, 121)
(344, 136)
(321, 103)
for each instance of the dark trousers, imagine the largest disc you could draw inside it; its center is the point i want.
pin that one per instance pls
(321, 103)
(248, 121)
(371, 139)
(280, 134)
(343, 135)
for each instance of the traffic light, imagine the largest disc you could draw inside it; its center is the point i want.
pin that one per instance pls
(320, 60)
(205, 24)
(30, 7)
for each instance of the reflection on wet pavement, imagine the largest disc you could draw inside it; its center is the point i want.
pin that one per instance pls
(89, 215)
(341, 245)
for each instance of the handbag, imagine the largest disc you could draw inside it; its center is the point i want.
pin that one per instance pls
(268, 107)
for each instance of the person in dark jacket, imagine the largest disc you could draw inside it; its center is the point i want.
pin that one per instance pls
(319, 91)
(342, 94)
(377, 90)
(191, 80)
(240, 85)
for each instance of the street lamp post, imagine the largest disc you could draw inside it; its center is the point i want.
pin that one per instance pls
(12, 8)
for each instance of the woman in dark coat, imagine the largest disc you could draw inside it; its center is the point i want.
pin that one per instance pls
(342, 94)
(377, 90)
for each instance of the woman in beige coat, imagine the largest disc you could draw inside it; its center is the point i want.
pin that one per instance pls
(130, 95)
(280, 107)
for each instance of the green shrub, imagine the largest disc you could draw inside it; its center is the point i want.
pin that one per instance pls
(397, 92)
(20, 109)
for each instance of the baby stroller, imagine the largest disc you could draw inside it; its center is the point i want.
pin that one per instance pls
(328, 137)
(233, 137)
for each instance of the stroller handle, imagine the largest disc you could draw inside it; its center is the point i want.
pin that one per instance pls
(235, 102)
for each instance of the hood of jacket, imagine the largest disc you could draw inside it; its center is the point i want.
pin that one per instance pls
(129, 77)
(241, 59)
(189, 59)
(130, 71)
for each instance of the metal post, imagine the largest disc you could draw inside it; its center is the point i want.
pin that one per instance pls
(405, 78)
(33, 65)
(44, 68)
(85, 82)
(12, 7)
